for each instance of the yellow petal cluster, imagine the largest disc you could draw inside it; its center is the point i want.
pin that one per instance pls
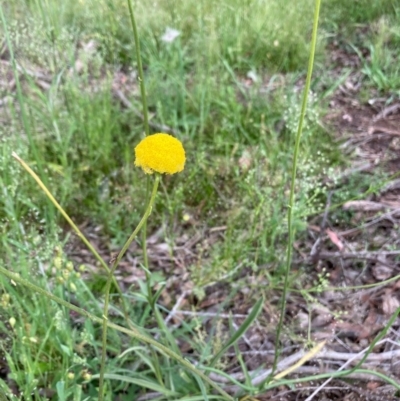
(160, 153)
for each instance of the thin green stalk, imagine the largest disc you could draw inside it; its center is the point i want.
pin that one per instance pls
(147, 132)
(75, 228)
(110, 278)
(145, 255)
(16, 278)
(291, 230)
(140, 69)
(377, 338)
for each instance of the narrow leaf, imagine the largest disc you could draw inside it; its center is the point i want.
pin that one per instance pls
(242, 329)
(141, 383)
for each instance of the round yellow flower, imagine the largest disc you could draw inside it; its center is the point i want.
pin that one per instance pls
(160, 153)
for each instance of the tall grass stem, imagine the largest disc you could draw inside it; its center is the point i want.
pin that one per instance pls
(147, 132)
(290, 214)
(140, 69)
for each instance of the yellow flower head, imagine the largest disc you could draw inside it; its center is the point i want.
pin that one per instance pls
(160, 153)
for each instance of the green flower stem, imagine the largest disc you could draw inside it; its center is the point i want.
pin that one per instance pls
(140, 69)
(16, 278)
(110, 279)
(144, 251)
(290, 214)
(147, 133)
(76, 229)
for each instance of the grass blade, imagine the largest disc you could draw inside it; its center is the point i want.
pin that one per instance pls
(242, 329)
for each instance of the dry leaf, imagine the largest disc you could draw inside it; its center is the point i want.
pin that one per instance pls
(303, 320)
(373, 385)
(382, 272)
(321, 320)
(334, 238)
(390, 304)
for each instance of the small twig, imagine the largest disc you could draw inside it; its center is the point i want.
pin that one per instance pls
(382, 130)
(359, 169)
(316, 248)
(350, 356)
(305, 389)
(378, 255)
(390, 186)
(374, 257)
(367, 206)
(386, 111)
(176, 306)
(385, 216)
(312, 370)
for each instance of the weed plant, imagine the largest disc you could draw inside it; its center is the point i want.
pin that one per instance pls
(238, 133)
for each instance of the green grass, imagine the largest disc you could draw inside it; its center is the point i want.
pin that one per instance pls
(381, 68)
(238, 139)
(359, 12)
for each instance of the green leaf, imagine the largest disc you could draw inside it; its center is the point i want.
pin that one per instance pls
(159, 291)
(242, 329)
(202, 388)
(141, 383)
(66, 350)
(60, 386)
(166, 331)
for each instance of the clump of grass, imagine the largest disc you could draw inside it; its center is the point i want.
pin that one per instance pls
(380, 67)
(347, 14)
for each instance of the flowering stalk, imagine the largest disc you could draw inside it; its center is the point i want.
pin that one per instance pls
(159, 153)
(291, 204)
(145, 121)
(140, 69)
(164, 154)
(110, 279)
(174, 160)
